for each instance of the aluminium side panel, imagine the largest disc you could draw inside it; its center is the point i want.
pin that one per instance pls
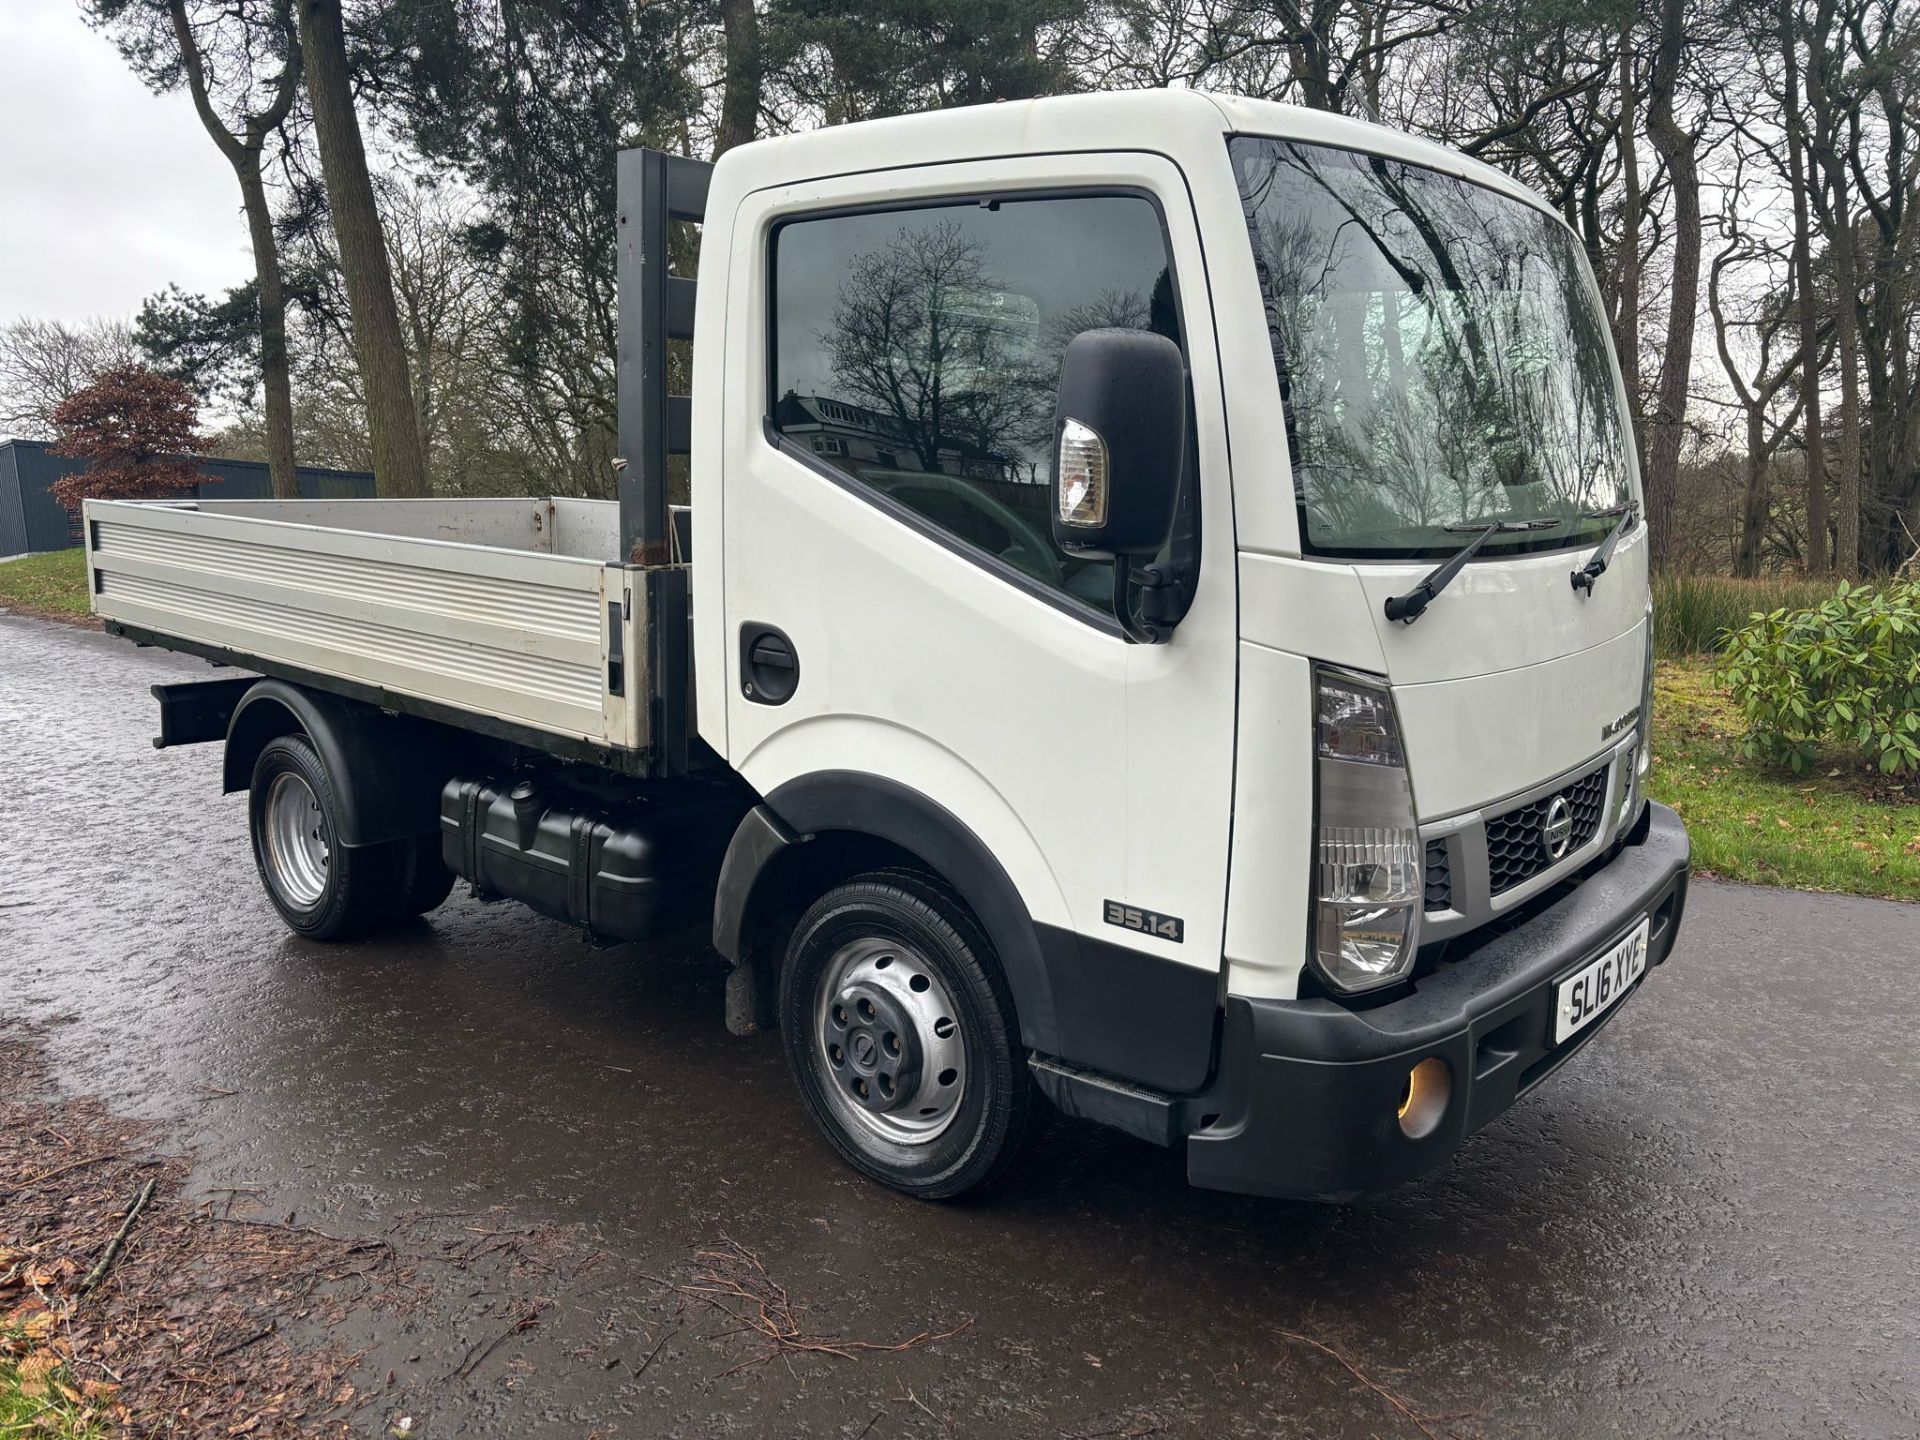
(510, 634)
(516, 523)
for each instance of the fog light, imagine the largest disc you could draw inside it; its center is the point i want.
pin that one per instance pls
(1429, 1088)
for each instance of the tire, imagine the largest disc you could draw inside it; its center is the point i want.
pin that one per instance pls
(921, 1086)
(424, 881)
(324, 891)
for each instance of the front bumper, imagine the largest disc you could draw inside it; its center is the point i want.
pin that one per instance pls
(1308, 1090)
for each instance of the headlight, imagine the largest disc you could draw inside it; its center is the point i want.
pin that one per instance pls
(1370, 870)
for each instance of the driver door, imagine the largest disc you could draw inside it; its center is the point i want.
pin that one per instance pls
(894, 601)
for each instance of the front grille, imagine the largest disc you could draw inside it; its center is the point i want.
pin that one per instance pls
(1515, 851)
(1439, 876)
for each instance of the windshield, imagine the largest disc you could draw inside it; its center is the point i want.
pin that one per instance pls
(1441, 355)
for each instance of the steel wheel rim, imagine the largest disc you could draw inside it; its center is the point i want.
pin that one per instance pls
(888, 1041)
(296, 841)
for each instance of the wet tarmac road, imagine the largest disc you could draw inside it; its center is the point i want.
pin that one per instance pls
(1708, 1225)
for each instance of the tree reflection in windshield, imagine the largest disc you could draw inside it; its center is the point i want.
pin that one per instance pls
(1441, 357)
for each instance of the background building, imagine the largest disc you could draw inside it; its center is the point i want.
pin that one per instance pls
(31, 519)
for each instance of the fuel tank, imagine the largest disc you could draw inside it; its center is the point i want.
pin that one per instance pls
(627, 860)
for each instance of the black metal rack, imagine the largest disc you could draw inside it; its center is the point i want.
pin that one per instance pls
(653, 189)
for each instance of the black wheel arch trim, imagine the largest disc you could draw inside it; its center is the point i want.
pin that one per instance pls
(760, 836)
(1093, 1003)
(387, 770)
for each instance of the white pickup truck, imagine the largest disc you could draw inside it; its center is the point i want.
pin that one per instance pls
(1161, 624)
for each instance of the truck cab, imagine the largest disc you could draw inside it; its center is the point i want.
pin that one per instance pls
(1290, 881)
(1162, 626)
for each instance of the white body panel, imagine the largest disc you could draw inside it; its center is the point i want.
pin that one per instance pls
(461, 604)
(1506, 680)
(1093, 769)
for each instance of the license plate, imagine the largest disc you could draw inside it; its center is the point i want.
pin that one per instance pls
(1581, 999)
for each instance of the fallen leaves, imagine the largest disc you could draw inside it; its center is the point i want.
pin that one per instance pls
(178, 1334)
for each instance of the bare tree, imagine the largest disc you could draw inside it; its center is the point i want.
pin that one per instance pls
(1624, 291)
(1881, 43)
(1806, 317)
(740, 107)
(240, 63)
(399, 464)
(45, 362)
(1833, 198)
(243, 152)
(914, 338)
(1675, 145)
(1756, 394)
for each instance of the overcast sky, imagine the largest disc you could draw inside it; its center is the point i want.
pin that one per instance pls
(107, 192)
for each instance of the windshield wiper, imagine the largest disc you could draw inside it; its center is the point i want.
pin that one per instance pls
(1409, 607)
(1584, 577)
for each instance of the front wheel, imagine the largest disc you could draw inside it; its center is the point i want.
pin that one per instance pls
(900, 1031)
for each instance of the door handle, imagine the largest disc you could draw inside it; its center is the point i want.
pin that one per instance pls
(769, 665)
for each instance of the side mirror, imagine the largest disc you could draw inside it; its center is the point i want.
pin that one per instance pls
(1120, 443)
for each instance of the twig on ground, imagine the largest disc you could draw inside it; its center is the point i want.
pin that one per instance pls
(1126, 1432)
(641, 1368)
(1419, 1421)
(477, 1356)
(918, 1403)
(354, 1247)
(46, 1175)
(100, 1266)
(239, 1345)
(736, 1274)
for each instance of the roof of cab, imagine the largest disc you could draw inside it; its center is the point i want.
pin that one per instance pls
(1181, 124)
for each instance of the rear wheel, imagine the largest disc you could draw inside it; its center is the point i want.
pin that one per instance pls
(322, 889)
(900, 1031)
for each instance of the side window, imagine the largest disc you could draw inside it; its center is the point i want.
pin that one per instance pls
(918, 351)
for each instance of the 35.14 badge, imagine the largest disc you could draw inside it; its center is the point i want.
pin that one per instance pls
(1161, 927)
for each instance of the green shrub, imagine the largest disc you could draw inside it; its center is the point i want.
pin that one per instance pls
(1694, 614)
(1845, 671)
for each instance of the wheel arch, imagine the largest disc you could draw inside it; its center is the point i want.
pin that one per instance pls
(388, 770)
(818, 829)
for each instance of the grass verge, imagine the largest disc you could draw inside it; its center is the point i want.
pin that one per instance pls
(1692, 613)
(1836, 828)
(52, 585)
(38, 1396)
